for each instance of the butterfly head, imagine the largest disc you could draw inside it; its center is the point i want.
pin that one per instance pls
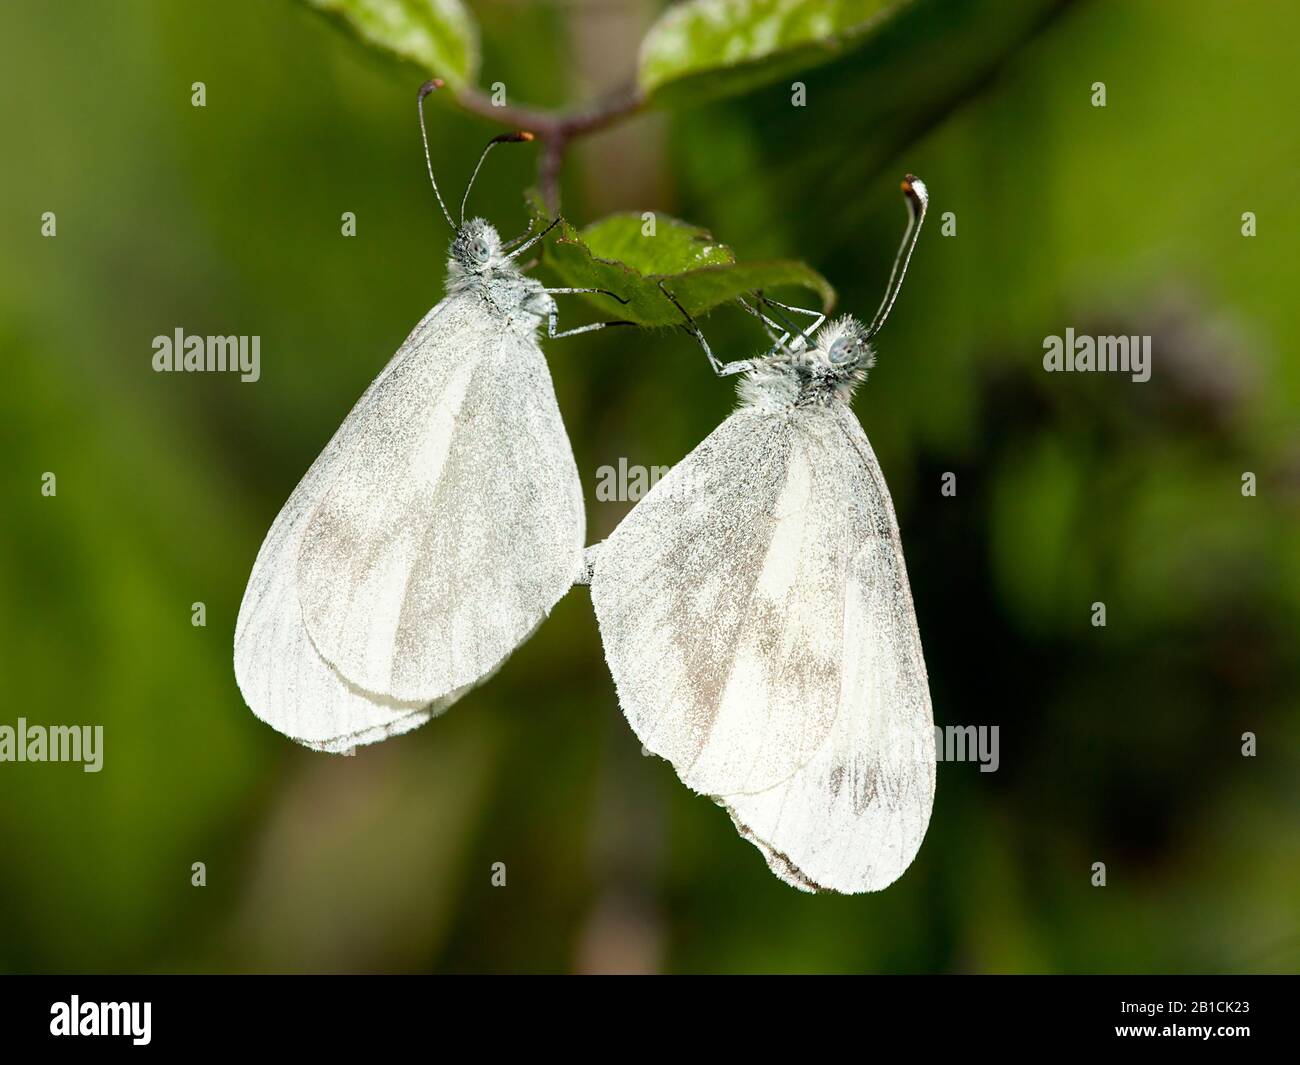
(841, 348)
(837, 357)
(476, 248)
(837, 360)
(826, 368)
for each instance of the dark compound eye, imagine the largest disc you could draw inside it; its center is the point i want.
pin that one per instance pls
(479, 250)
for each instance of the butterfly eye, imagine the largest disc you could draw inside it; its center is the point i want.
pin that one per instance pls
(843, 350)
(479, 250)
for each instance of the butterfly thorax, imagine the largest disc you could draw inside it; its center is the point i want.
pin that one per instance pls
(819, 372)
(478, 266)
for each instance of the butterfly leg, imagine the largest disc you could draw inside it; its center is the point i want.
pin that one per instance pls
(721, 369)
(817, 316)
(771, 328)
(803, 335)
(530, 241)
(572, 291)
(552, 313)
(552, 317)
(550, 327)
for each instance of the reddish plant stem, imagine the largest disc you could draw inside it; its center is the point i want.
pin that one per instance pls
(555, 129)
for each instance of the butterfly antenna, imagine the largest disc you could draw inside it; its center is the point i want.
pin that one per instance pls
(425, 89)
(520, 136)
(917, 201)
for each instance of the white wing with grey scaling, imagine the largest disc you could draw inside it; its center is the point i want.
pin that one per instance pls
(432, 535)
(757, 620)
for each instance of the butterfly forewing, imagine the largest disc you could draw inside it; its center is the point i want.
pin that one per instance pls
(758, 623)
(282, 678)
(454, 524)
(429, 539)
(711, 599)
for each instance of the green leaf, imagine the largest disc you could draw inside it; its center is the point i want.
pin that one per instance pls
(439, 35)
(616, 254)
(675, 247)
(703, 49)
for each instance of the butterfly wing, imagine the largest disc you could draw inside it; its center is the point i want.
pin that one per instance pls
(282, 678)
(757, 620)
(437, 529)
(725, 662)
(454, 522)
(852, 818)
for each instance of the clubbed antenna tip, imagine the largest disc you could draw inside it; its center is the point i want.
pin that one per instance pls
(918, 198)
(914, 189)
(519, 136)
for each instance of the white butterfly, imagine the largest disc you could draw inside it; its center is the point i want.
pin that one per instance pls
(757, 620)
(438, 527)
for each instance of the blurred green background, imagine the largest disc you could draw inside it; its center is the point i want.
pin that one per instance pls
(1120, 744)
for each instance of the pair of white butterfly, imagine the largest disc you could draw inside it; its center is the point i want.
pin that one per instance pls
(758, 625)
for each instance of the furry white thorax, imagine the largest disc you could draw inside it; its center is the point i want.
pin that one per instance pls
(829, 369)
(476, 264)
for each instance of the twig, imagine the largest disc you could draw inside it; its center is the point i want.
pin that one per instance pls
(555, 129)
